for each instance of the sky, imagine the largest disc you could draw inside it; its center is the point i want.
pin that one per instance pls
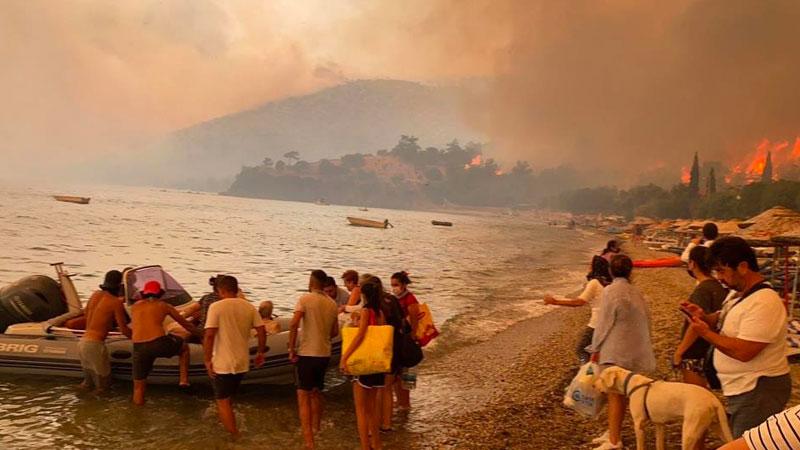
(630, 83)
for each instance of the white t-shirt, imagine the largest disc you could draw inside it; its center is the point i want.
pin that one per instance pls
(761, 317)
(233, 318)
(778, 432)
(319, 314)
(591, 295)
(688, 249)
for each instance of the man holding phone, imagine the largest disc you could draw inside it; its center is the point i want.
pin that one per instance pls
(749, 336)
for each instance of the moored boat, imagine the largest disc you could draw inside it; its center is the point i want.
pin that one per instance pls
(72, 199)
(441, 223)
(358, 222)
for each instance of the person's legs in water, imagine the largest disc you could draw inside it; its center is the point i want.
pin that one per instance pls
(374, 418)
(304, 409)
(362, 414)
(88, 380)
(183, 366)
(316, 410)
(403, 395)
(139, 387)
(386, 400)
(226, 416)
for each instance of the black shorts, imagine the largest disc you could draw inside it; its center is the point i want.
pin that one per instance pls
(145, 353)
(375, 380)
(310, 372)
(226, 384)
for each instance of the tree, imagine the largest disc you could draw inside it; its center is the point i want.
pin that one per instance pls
(280, 166)
(267, 162)
(711, 187)
(694, 180)
(353, 161)
(292, 156)
(766, 175)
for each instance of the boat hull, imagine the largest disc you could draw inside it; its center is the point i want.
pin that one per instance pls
(357, 222)
(73, 199)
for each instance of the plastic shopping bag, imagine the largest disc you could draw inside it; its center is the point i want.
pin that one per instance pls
(374, 355)
(581, 394)
(426, 330)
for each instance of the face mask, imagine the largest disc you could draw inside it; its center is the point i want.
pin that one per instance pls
(397, 290)
(691, 273)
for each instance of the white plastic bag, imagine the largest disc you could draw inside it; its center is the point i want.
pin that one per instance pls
(581, 394)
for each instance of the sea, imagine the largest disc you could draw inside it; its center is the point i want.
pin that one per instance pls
(480, 276)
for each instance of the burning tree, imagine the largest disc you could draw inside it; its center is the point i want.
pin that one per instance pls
(766, 175)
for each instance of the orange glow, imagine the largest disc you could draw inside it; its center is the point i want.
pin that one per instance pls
(751, 167)
(685, 175)
(498, 172)
(475, 162)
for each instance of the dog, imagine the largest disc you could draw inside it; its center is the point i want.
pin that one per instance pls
(666, 402)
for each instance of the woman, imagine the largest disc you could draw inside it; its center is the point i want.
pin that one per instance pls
(621, 338)
(366, 387)
(598, 278)
(709, 295)
(410, 306)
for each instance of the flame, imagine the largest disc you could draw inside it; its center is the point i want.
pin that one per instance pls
(686, 177)
(751, 167)
(475, 162)
(498, 172)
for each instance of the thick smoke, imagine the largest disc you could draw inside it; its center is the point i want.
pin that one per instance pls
(643, 84)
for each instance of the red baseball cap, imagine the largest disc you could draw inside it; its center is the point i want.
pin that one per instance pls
(152, 289)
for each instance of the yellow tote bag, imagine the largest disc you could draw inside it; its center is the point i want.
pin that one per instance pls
(374, 355)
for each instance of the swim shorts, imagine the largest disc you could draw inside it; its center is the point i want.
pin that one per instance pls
(145, 353)
(310, 372)
(226, 384)
(94, 357)
(375, 380)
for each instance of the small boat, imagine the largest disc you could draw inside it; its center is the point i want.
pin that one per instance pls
(41, 322)
(358, 222)
(72, 199)
(441, 223)
(363, 209)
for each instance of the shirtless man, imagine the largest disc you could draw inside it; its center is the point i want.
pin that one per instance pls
(104, 308)
(150, 341)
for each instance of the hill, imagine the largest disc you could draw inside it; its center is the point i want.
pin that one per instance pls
(366, 115)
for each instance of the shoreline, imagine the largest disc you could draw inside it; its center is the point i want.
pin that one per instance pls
(512, 385)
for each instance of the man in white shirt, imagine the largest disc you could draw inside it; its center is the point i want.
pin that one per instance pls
(227, 347)
(710, 233)
(318, 314)
(750, 344)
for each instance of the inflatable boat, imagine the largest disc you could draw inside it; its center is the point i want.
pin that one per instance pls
(41, 323)
(670, 261)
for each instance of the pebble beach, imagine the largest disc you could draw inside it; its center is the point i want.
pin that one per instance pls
(514, 382)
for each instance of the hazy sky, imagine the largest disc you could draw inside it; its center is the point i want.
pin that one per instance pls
(607, 79)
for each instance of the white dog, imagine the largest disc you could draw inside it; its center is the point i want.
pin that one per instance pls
(667, 402)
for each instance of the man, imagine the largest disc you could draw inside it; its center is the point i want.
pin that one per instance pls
(710, 233)
(749, 336)
(227, 348)
(150, 340)
(317, 312)
(104, 308)
(267, 318)
(206, 301)
(339, 295)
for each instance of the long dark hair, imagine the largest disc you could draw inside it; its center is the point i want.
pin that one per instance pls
(373, 295)
(599, 271)
(402, 277)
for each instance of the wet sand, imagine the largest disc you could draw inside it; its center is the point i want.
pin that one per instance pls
(513, 384)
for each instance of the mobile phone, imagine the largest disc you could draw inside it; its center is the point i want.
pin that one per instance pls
(685, 312)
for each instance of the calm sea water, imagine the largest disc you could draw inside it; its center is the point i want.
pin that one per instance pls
(480, 276)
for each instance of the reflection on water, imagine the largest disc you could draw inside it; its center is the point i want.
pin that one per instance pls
(480, 276)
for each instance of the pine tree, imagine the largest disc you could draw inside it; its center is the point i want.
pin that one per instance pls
(694, 180)
(711, 187)
(766, 175)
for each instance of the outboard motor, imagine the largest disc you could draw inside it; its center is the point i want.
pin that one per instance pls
(31, 299)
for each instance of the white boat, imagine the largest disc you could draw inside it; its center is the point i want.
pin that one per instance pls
(50, 347)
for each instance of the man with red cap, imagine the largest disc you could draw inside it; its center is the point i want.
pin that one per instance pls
(150, 341)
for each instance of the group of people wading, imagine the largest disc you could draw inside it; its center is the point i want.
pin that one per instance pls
(224, 322)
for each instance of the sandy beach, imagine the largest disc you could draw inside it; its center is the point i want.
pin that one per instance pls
(512, 385)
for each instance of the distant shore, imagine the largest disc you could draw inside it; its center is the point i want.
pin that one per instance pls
(522, 372)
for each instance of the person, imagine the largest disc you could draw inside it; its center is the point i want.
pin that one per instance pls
(105, 307)
(597, 279)
(612, 248)
(207, 300)
(748, 335)
(226, 346)
(267, 318)
(410, 307)
(710, 233)
(780, 431)
(366, 388)
(708, 294)
(621, 338)
(150, 340)
(338, 294)
(351, 278)
(318, 315)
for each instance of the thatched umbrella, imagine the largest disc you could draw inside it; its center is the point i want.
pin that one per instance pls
(790, 237)
(729, 227)
(758, 231)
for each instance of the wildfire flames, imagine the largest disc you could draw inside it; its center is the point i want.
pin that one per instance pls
(686, 177)
(785, 159)
(475, 162)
